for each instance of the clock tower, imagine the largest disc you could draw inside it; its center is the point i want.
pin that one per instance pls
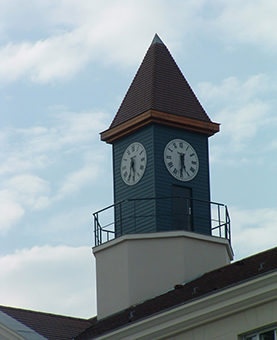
(160, 150)
(162, 232)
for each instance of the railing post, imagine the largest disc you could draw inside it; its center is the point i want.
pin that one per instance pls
(227, 225)
(95, 238)
(135, 217)
(120, 214)
(99, 230)
(219, 221)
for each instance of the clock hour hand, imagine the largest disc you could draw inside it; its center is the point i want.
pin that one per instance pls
(132, 168)
(182, 161)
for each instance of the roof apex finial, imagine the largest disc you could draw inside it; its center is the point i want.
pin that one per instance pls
(156, 40)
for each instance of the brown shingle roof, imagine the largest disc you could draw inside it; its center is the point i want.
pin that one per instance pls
(51, 326)
(159, 85)
(209, 283)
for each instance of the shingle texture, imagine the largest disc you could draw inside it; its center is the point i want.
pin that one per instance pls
(159, 85)
(209, 283)
(51, 326)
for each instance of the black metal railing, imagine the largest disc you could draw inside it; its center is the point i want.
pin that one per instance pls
(109, 222)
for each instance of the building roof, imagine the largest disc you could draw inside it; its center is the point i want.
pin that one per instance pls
(209, 283)
(160, 94)
(50, 326)
(159, 85)
(58, 327)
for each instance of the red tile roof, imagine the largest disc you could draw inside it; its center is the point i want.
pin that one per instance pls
(51, 326)
(159, 85)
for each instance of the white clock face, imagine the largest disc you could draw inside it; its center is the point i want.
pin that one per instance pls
(181, 160)
(133, 163)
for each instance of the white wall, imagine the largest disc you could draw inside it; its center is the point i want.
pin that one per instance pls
(133, 268)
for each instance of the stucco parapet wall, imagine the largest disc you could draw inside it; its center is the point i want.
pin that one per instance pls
(145, 265)
(168, 234)
(208, 309)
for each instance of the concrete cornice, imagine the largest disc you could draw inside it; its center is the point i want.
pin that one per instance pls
(201, 311)
(168, 234)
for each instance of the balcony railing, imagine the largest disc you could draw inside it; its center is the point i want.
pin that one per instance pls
(105, 222)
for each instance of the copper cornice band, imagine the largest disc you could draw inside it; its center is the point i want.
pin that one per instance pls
(152, 116)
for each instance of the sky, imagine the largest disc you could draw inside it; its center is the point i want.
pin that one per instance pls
(65, 67)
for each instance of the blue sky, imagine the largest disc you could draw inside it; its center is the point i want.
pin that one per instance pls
(65, 67)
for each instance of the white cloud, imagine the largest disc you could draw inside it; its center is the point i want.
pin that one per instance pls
(76, 128)
(80, 178)
(65, 36)
(241, 105)
(40, 146)
(253, 230)
(10, 210)
(244, 22)
(235, 91)
(65, 223)
(83, 39)
(20, 193)
(51, 279)
(27, 185)
(33, 154)
(68, 35)
(96, 167)
(243, 123)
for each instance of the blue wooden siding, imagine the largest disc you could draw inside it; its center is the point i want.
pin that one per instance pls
(156, 215)
(200, 186)
(138, 218)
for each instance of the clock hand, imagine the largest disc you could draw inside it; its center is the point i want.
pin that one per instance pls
(132, 168)
(182, 161)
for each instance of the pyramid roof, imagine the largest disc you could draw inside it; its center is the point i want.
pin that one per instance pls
(160, 89)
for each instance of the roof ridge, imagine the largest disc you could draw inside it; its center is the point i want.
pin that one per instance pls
(40, 312)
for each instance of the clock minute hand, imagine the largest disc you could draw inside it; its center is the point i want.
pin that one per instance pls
(181, 163)
(182, 160)
(132, 168)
